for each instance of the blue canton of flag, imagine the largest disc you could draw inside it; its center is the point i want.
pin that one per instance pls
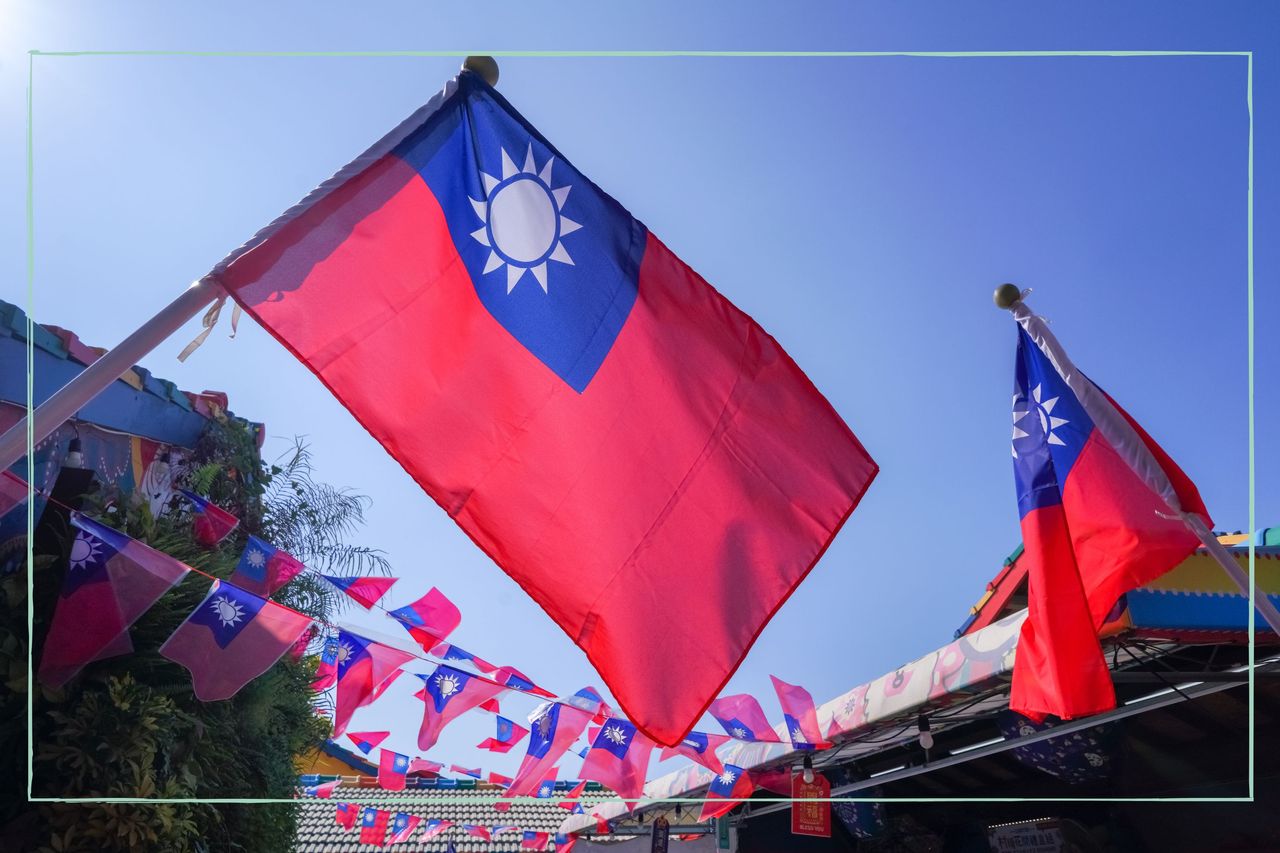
(697, 741)
(795, 733)
(1050, 428)
(564, 298)
(444, 684)
(351, 648)
(227, 612)
(505, 729)
(616, 737)
(543, 732)
(368, 817)
(330, 653)
(87, 562)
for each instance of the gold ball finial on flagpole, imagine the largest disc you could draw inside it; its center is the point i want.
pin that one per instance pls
(485, 66)
(1007, 295)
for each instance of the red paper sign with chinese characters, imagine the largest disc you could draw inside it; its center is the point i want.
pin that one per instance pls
(810, 809)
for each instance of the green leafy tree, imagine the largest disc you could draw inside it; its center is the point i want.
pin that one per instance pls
(130, 726)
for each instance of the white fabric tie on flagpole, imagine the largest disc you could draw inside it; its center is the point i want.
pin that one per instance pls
(1121, 435)
(209, 320)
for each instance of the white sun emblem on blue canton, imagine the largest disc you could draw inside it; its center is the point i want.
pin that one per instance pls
(85, 551)
(256, 558)
(727, 777)
(228, 612)
(522, 220)
(446, 684)
(1043, 410)
(615, 734)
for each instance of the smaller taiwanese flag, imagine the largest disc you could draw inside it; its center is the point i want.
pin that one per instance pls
(210, 523)
(619, 758)
(700, 748)
(327, 668)
(450, 653)
(504, 827)
(490, 705)
(535, 840)
(264, 568)
(547, 787)
(434, 827)
(733, 784)
(800, 716)
(366, 741)
(363, 667)
(346, 814)
(373, 827)
(509, 734)
(324, 791)
(365, 591)
(392, 769)
(473, 772)
(111, 581)
(481, 832)
(429, 619)
(403, 826)
(743, 718)
(777, 781)
(509, 676)
(570, 802)
(553, 731)
(424, 765)
(450, 693)
(499, 779)
(565, 842)
(231, 638)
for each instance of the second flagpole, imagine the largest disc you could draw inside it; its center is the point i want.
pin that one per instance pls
(1009, 297)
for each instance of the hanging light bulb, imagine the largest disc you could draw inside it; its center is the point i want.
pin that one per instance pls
(75, 455)
(926, 736)
(808, 769)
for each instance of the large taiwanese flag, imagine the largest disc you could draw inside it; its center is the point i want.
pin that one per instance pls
(1093, 527)
(635, 451)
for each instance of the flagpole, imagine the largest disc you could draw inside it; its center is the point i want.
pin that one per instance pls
(1009, 297)
(97, 377)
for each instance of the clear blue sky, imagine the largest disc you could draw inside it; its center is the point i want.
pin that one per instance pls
(861, 209)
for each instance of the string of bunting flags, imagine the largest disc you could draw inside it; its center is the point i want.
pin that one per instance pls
(237, 633)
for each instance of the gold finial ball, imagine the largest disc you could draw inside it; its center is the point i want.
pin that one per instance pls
(1007, 295)
(485, 66)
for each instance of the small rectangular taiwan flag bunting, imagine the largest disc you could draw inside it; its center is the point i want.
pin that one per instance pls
(425, 765)
(365, 591)
(743, 718)
(111, 581)
(403, 826)
(700, 748)
(481, 832)
(210, 523)
(619, 758)
(363, 667)
(473, 772)
(231, 638)
(509, 734)
(578, 376)
(732, 784)
(449, 694)
(373, 827)
(264, 568)
(327, 667)
(429, 619)
(392, 770)
(366, 741)
(535, 840)
(800, 715)
(345, 815)
(323, 791)
(434, 827)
